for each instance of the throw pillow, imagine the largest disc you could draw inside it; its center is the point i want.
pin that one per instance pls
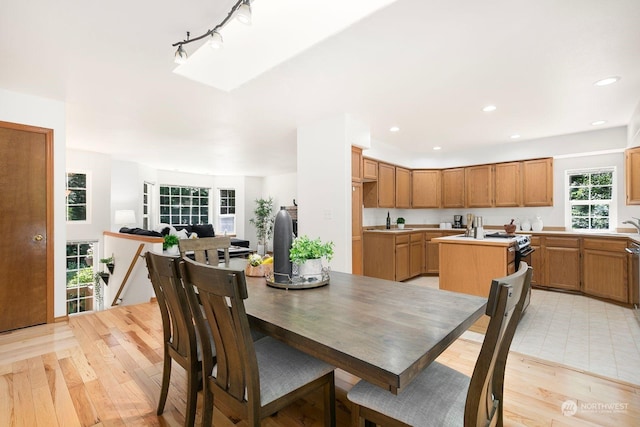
(203, 230)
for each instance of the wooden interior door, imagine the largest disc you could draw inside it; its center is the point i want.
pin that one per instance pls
(26, 224)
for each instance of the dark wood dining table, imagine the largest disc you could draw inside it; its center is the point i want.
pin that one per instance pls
(382, 331)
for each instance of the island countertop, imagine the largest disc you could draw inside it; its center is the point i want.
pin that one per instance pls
(461, 239)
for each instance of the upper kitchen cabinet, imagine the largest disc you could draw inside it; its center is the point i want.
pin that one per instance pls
(386, 185)
(479, 186)
(403, 188)
(426, 188)
(369, 169)
(632, 173)
(537, 187)
(453, 188)
(356, 164)
(508, 184)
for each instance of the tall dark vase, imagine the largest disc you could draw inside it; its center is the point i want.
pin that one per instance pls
(282, 240)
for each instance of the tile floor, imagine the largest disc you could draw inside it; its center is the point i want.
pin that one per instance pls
(576, 331)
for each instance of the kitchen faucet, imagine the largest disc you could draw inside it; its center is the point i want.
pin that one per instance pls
(636, 223)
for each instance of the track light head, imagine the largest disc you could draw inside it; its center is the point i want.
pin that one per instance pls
(180, 56)
(215, 41)
(244, 12)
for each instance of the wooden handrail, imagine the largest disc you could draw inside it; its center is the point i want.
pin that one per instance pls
(126, 277)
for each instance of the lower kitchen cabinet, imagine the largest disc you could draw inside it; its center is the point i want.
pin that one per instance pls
(432, 253)
(563, 268)
(537, 262)
(605, 272)
(393, 255)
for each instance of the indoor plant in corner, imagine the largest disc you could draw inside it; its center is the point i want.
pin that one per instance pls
(263, 221)
(308, 254)
(170, 244)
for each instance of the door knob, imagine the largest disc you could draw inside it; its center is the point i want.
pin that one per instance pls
(38, 238)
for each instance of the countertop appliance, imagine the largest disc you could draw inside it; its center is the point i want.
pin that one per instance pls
(634, 254)
(457, 221)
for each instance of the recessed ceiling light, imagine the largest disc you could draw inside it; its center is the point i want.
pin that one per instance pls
(515, 136)
(489, 108)
(598, 122)
(394, 129)
(607, 81)
(437, 148)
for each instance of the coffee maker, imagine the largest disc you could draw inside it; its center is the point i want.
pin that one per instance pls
(457, 221)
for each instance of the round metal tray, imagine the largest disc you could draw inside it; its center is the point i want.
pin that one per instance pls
(297, 283)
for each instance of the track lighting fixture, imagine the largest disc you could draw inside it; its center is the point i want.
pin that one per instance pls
(241, 10)
(244, 12)
(215, 41)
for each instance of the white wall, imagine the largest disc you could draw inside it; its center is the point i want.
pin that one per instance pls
(633, 132)
(35, 111)
(324, 186)
(126, 191)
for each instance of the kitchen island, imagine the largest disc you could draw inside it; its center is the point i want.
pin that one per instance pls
(468, 265)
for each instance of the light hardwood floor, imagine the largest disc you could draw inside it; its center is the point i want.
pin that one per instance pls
(105, 369)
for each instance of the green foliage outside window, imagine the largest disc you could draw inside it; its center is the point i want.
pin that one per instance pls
(590, 196)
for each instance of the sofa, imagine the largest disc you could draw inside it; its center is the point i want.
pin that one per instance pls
(183, 232)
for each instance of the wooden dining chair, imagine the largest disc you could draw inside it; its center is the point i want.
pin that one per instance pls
(252, 379)
(441, 396)
(205, 249)
(180, 337)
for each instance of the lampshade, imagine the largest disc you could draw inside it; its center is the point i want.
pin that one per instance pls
(244, 13)
(215, 41)
(125, 217)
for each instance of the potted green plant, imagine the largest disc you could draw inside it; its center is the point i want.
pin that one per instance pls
(263, 221)
(308, 254)
(170, 244)
(400, 222)
(109, 263)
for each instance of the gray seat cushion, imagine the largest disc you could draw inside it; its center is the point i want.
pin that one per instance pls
(284, 369)
(436, 397)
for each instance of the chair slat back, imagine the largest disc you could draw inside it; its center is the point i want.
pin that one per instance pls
(205, 249)
(504, 307)
(177, 324)
(222, 293)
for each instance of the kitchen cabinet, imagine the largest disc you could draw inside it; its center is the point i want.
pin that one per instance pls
(632, 174)
(403, 188)
(403, 258)
(562, 263)
(426, 188)
(605, 272)
(369, 169)
(479, 186)
(386, 185)
(432, 254)
(507, 184)
(453, 188)
(356, 164)
(537, 262)
(537, 182)
(393, 255)
(416, 254)
(356, 227)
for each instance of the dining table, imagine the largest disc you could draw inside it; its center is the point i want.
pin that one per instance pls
(382, 331)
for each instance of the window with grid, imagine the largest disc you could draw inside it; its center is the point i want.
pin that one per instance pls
(147, 194)
(227, 214)
(77, 196)
(184, 205)
(79, 277)
(591, 194)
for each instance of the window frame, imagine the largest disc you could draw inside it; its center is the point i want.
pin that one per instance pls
(78, 256)
(88, 198)
(612, 203)
(222, 215)
(181, 190)
(148, 190)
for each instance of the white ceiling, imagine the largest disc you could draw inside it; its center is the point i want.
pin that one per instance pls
(426, 66)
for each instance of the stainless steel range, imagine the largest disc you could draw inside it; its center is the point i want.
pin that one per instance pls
(523, 253)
